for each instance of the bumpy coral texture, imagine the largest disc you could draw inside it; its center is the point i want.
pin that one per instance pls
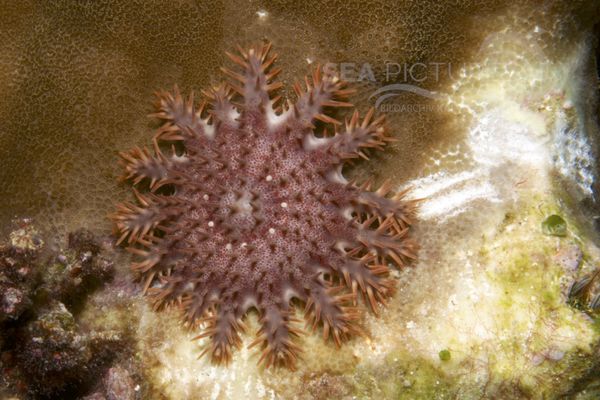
(249, 209)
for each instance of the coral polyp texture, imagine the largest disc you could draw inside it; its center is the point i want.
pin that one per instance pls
(249, 209)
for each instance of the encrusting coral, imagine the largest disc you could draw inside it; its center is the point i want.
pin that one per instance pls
(249, 209)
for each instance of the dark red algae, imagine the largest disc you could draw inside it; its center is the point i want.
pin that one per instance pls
(249, 209)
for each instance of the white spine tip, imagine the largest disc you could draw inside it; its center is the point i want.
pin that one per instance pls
(228, 246)
(284, 205)
(205, 197)
(271, 231)
(269, 178)
(211, 224)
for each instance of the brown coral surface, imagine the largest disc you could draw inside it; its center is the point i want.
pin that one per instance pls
(250, 209)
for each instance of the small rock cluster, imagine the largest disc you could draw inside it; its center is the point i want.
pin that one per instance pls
(44, 351)
(18, 272)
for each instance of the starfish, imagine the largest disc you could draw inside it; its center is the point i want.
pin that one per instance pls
(249, 209)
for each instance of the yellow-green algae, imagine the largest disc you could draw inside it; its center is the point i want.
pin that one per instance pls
(538, 347)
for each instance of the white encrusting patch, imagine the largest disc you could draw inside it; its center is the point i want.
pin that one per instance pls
(469, 185)
(179, 159)
(347, 213)
(455, 202)
(341, 245)
(228, 246)
(273, 119)
(289, 294)
(502, 151)
(311, 142)
(335, 175)
(209, 129)
(431, 184)
(233, 115)
(249, 302)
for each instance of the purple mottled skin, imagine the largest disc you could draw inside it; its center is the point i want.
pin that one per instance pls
(254, 212)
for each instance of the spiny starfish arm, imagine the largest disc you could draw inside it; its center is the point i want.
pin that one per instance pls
(254, 80)
(223, 329)
(196, 307)
(134, 221)
(386, 239)
(222, 110)
(179, 116)
(376, 203)
(318, 93)
(171, 291)
(370, 279)
(154, 261)
(158, 257)
(327, 306)
(276, 337)
(405, 210)
(357, 136)
(140, 164)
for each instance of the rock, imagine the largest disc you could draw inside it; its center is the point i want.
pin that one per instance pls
(45, 353)
(18, 275)
(56, 353)
(95, 396)
(77, 272)
(569, 257)
(53, 353)
(119, 385)
(82, 241)
(13, 302)
(26, 237)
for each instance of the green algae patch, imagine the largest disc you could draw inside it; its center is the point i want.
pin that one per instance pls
(529, 280)
(505, 330)
(543, 343)
(554, 225)
(596, 325)
(405, 377)
(445, 355)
